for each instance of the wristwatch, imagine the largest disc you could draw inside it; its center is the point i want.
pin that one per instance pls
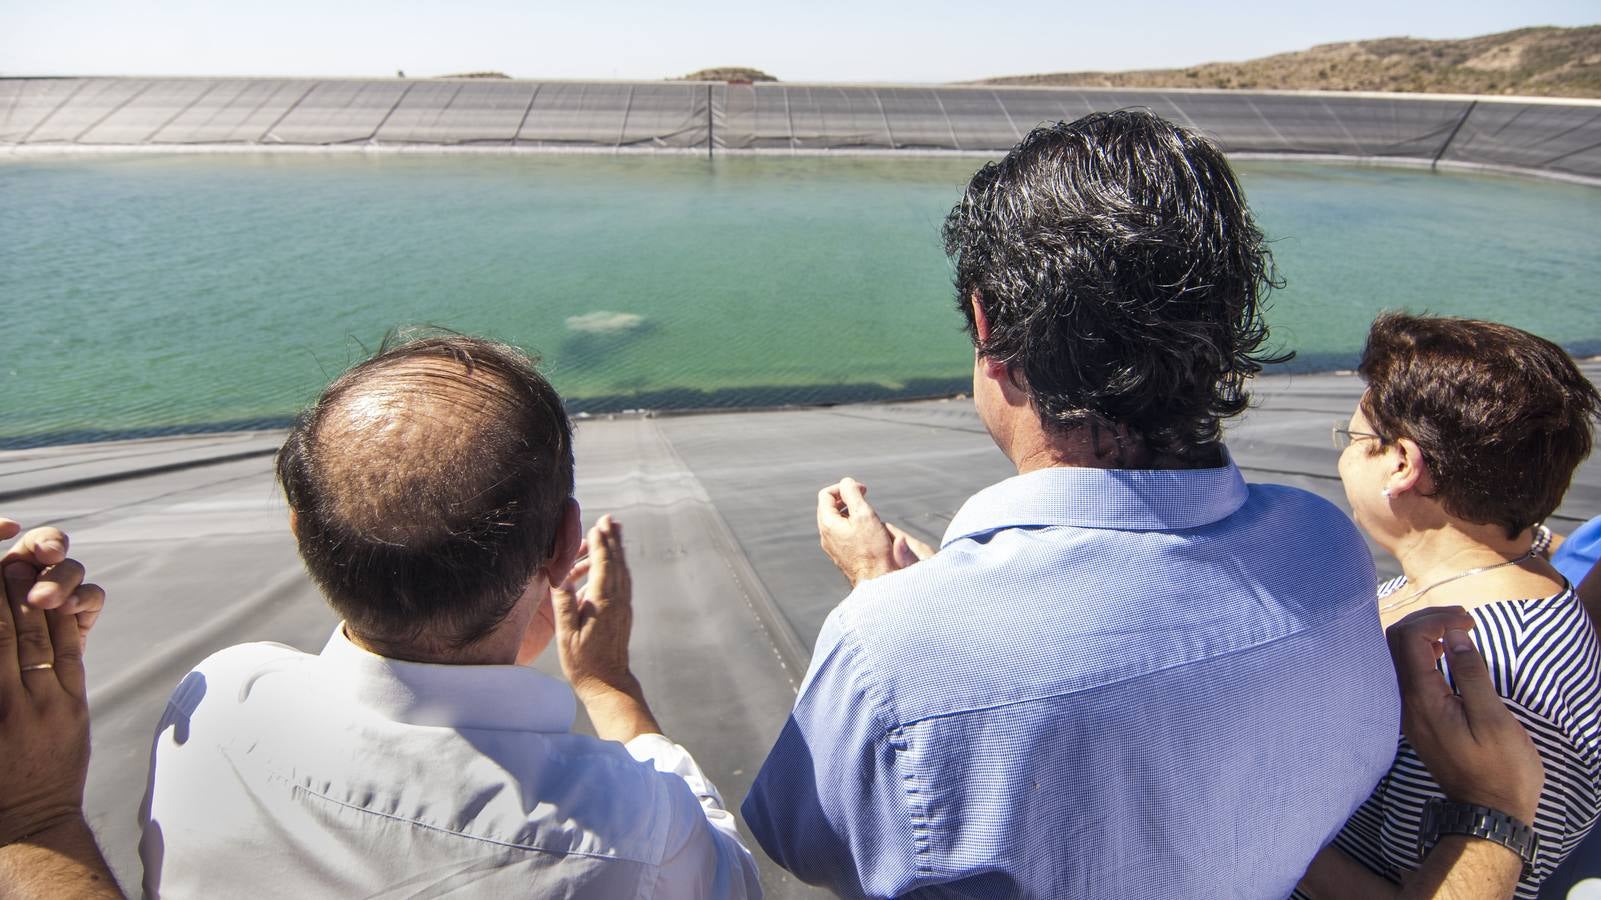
(1442, 817)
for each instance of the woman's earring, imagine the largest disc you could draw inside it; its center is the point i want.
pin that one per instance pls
(1386, 493)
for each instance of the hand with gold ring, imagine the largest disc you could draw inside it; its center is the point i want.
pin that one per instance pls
(46, 847)
(44, 712)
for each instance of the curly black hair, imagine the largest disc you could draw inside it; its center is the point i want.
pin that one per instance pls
(1122, 277)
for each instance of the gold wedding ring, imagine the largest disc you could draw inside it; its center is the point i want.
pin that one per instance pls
(37, 666)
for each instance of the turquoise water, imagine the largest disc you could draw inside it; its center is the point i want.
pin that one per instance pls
(177, 292)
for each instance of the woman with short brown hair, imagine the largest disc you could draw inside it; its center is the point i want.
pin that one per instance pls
(1465, 440)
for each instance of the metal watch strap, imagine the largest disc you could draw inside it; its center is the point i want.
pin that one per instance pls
(1442, 817)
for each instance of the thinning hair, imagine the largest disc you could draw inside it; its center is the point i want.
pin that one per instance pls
(1122, 277)
(1502, 417)
(428, 485)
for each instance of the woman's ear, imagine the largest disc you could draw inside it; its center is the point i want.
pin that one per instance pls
(1409, 471)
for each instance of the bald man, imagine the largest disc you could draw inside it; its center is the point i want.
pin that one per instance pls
(430, 490)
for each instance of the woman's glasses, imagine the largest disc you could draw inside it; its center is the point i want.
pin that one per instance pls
(1345, 437)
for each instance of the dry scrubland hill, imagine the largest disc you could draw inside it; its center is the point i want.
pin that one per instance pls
(728, 73)
(1556, 62)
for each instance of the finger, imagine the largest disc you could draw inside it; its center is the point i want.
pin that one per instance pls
(56, 585)
(1427, 626)
(919, 549)
(88, 598)
(854, 493)
(10, 675)
(617, 573)
(564, 600)
(602, 587)
(67, 646)
(1484, 707)
(901, 553)
(564, 597)
(1413, 643)
(86, 624)
(901, 547)
(610, 532)
(585, 590)
(32, 633)
(582, 556)
(577, 574)
(600, 561)
(40, 546)
(623, 589)
(8, 528)
(830, 506)
(86, 605)
(1446, 617)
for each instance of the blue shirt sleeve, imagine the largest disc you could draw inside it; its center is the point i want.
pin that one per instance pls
(1579, 552)
(829, 804)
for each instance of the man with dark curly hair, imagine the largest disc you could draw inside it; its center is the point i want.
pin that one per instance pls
(1125, 672)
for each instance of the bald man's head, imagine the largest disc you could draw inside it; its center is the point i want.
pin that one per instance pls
(428, 486)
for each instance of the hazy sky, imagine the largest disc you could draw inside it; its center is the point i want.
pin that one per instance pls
(816, 40)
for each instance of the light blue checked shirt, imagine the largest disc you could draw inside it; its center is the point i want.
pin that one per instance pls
(1105, 684)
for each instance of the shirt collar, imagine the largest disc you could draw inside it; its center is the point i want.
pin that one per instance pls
(1124, 499)
(504, 698)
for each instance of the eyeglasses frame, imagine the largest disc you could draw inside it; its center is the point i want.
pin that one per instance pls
(1351, 437)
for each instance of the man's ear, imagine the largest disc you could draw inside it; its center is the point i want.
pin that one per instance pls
(294, 522)
(569, 537)
(981, 322)
(981, 331)
(1409, 471)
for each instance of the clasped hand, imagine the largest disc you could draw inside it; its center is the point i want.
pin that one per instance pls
(1474, 747)
(594, 620)
(860, 544)
(44, 710)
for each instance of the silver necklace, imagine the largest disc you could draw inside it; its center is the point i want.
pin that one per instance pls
(1542, 540)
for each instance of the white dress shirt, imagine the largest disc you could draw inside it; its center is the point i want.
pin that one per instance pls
(278, 773)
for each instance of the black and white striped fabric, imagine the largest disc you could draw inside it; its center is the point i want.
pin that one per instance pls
(1545, 660)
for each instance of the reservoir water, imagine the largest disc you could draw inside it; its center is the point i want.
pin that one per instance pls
(151, 294)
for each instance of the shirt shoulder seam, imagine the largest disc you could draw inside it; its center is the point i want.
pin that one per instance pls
(1104, 685)
(895, 737)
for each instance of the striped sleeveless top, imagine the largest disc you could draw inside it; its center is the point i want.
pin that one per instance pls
(1545, 660)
